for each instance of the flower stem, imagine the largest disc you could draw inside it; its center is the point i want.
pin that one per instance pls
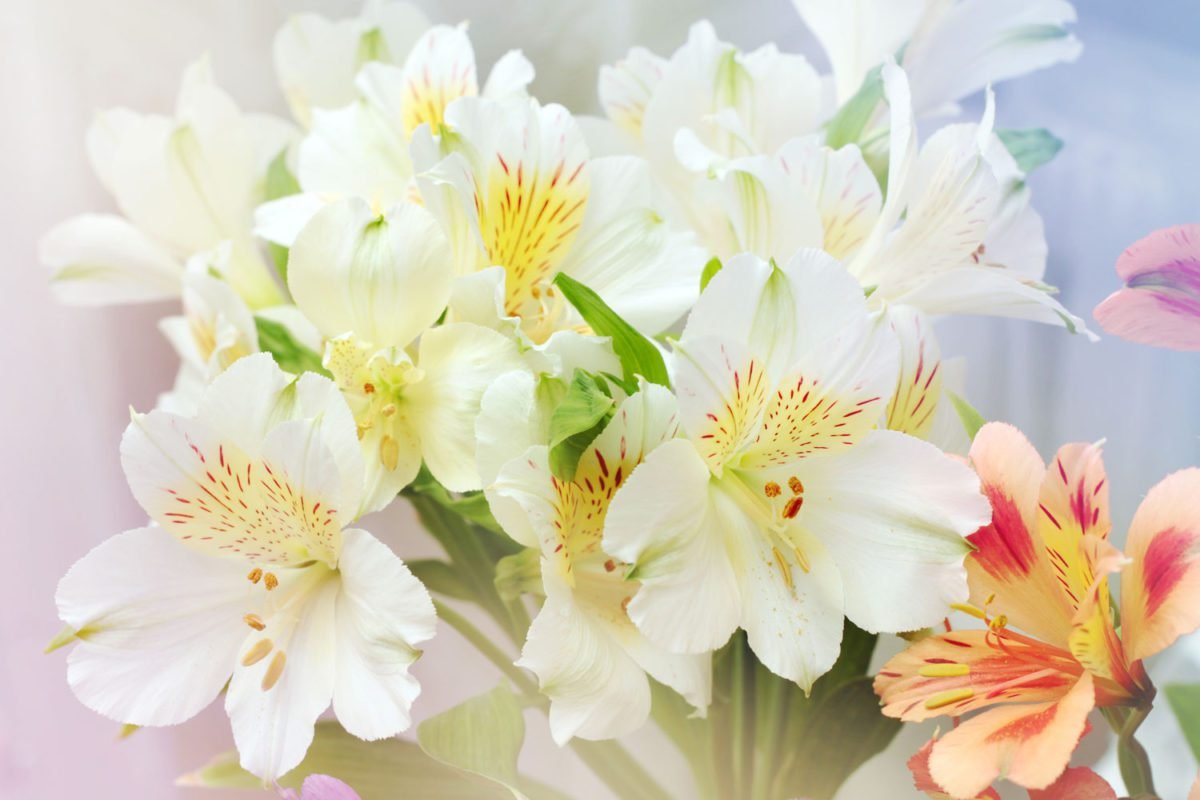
(484, 645)
(1132, 757)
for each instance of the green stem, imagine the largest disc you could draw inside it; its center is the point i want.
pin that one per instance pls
(737, 707)
(485, 646)
(608, 759)
(1131, 756)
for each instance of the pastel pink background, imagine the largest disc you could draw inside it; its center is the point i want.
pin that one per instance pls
(1127, 110)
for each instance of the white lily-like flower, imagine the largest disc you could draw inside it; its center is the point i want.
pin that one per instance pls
(784, 508)
(361, 149)
(951, 48)
(517, 188)
(184, 184)
(590, 659)
(373, 285)
(250, 570)
(317, 59)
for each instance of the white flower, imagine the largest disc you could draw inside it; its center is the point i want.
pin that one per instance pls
(184, 185)
(951, 48)
(360, 148)
(784, 508)
(519, 190)
(589, 657)
(373, 285)
(316, 59)
(250, 570)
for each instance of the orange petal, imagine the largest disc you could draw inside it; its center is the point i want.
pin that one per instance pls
(1010, 563)
(1160, 596)
(919, 766)
(1077, 783)
(953, 673)
(1029, 745)
(1194, 794)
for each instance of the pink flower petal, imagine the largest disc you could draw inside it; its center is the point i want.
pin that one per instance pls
(1160, 304)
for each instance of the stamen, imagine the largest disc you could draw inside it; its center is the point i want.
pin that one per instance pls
(772, 489)
(802, 560)
(257, 653)
(368, 388)
(388, 410)
(795, 485)
(274, 670)
(967, 608)
(254, 621)
(255, 575)
(270, 581)
(793, 507)
(784, 567)
(948, 697)
(944, 670)
(999, 622)
(389, 452)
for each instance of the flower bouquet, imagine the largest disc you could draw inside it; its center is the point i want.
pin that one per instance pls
(662, 386)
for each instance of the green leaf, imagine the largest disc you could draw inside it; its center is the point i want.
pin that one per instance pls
(846, 126)
(471, 506)
(290, 355)
(520, 573)
(280, 180)
(440, 577)
(710, 271)
(1030, 148)
(577, 421)
(482, 736)
(1184, 700)
(971, 419)
(637, 354)
(382, 770)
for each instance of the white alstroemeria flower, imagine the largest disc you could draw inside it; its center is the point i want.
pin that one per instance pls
(518, 190)
(589, 657)
(252, 571)
(316, 59)
(362, 149)
(708, 104)
(372, 285)
(184, 185)
(951, 48)
(785, 509)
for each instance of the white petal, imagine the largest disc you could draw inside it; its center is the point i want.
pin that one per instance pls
(893, 511)
(100, 258)
(840, 183)
(382, 613)
(280, 221)
(355, 151)
(511, 420)
(460, 361)
(510, 76)
(627, 86)
(160, 626)
(626, 252)
(273, 727)
(439, 70)
(664, 521)
(385, 278)
(793, 623)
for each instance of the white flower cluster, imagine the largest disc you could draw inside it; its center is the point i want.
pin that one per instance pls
(427, 270)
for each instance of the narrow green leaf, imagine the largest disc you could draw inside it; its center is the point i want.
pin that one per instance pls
(290, 355)
(471, 506)
(577, 421)
(440, 577)
(710, 271)
(482, 736)
(1184, 700)
(847, 125)
(971, 419)
(382, 770)
(1030, 148)
(637, 354)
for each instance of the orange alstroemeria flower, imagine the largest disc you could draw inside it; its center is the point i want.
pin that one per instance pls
(1041, 567)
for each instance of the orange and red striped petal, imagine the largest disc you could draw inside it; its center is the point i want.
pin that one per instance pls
(1029, 745)
(1160, 594)
(923, 781)
(1077, 783)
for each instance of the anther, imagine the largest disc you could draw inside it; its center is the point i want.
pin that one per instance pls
(772, 489)
(949, 697)
(944, 670)
(388, 410)
(368, 388)
(274, 670)
(255, 621)
(999, 622)
(257, 653)
(784, 567)
(793, 507)
(255, 575)
(795, 485)
(802, 560)
(270, 581)
(389, 452)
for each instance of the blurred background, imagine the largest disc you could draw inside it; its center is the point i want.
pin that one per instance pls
(1128, 110)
